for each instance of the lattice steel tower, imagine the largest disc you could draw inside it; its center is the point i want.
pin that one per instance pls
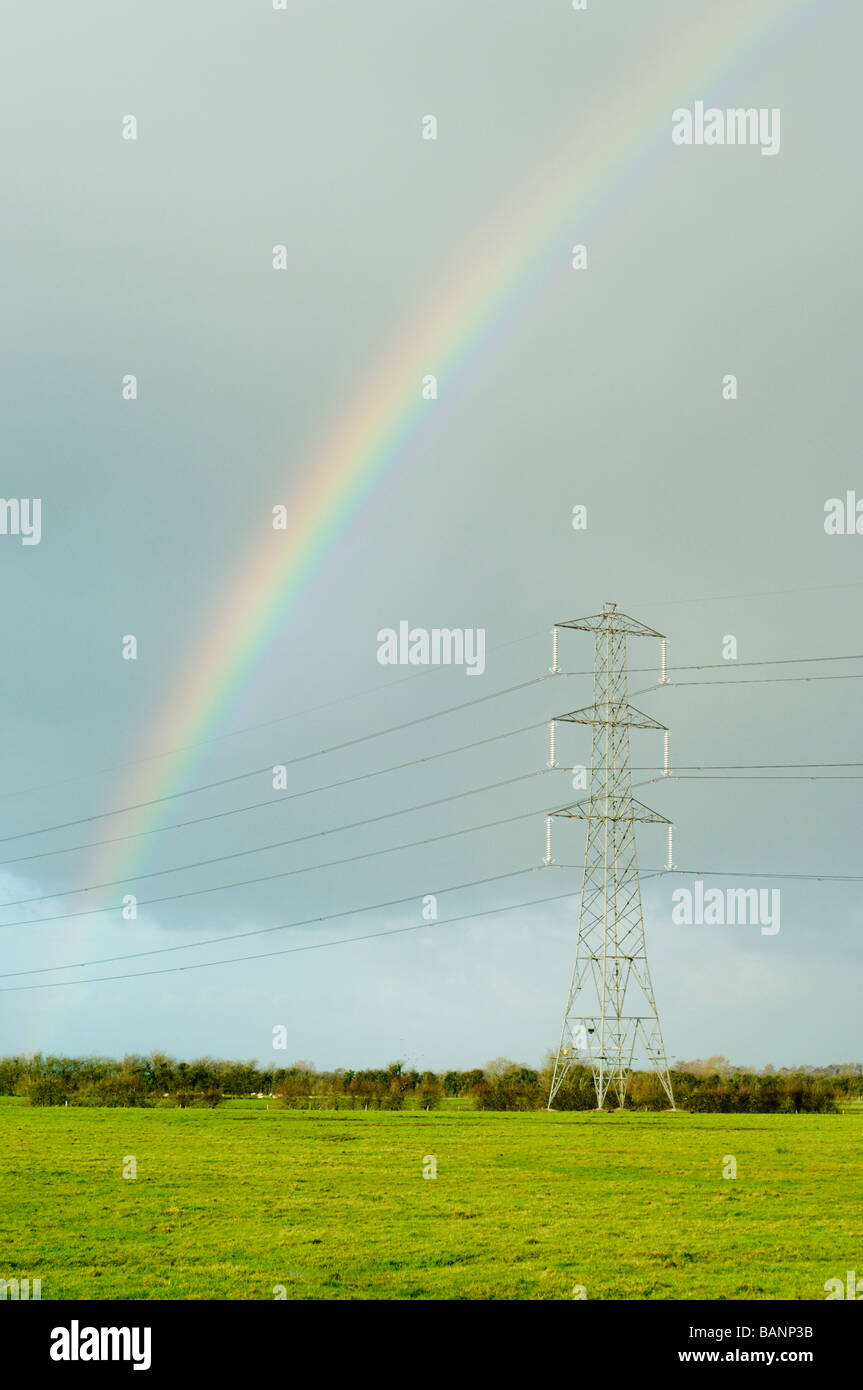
(611, 972)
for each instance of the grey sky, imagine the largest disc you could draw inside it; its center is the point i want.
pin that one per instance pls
(153, 257)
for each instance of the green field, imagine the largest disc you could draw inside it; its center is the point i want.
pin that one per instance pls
(230, 1203)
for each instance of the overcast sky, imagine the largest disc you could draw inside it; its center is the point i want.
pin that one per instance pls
(601, 387)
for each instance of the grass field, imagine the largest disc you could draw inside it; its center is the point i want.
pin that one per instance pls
(230, 1203)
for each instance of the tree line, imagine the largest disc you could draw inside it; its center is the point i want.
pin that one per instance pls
(707, 1086)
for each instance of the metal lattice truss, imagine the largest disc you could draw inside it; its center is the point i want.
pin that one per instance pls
(611, 969)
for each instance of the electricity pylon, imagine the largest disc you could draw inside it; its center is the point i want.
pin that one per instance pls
(611, 968)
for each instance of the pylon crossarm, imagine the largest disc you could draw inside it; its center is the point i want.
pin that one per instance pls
(635, 718)
(586, 810)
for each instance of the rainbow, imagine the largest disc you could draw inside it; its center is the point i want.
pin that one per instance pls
(524, 252)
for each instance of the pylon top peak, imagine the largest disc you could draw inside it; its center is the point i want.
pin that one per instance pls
(610, 619)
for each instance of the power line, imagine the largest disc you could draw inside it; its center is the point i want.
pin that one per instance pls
(252, 728)
(766, 680)
(268, 878)
(759, 873)
(728, 767)
(209, 786)
(282, 873)
(264, 931)
(272, 801)
(277, 844)
(739, 873)
(731, 665)
(290, 950)
(657, 873)
(290, 762)
(388, 685)
(774, 661)
(765, 777)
